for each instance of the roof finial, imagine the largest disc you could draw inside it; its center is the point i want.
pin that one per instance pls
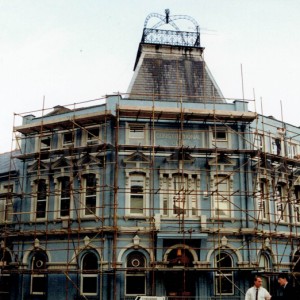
(167, 11)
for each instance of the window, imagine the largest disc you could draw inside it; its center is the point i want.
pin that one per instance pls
(179, 194)
(6, 204)
(219, 137)
(264, 264)
(38, 283)
(262, 200)
(5, 282)
(136, 134)
(67, 139)
(258, 142)
(296, 206)
(221, 202)
(276, 146)
(64, 197)
(137, 197)
(41, 199)
(90, 195)
(135, 275)
(89, 277)
(292, 150)
(92, 135)
(224, 276)
(281, 204)
(45, 143)
(137, 194)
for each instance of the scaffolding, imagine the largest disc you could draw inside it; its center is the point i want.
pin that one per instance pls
(114, 152)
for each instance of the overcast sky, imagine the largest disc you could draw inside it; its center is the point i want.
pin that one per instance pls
(67, 51)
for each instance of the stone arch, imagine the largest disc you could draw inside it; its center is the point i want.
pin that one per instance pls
(225, 247)
(142, 247)
(180, 246)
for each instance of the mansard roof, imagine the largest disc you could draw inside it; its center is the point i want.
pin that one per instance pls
(169, 64)
(164, 72)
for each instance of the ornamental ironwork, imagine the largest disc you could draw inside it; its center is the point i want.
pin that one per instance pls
(177, 37)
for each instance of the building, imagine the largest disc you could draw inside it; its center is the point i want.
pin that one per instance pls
(167, 190)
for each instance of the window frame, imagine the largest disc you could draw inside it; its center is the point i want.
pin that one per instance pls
(7, 204)
(132, 136)
(86, 196)
(85, 275)
(43, 146)
(262, 200)
(220, 142)
(292, 149)
(258, 141)
(216, 195)
(89, 136)
(38, 201)
(129, 173)
(39, 275)
(5, 278)
(170, 194)
(135, 273)
(137, 195)
(58, 195)
(67, 138)
(296, 201)
(221, 274)
(280, 201)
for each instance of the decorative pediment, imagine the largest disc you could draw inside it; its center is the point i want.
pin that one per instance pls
(221, 159)
(61, 163)
(181, 156)
(38, 166)
(137, 157)
(88, 159)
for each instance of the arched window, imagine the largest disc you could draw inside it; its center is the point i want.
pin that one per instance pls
(38, 283)
(224, 275)
(89, 278)
(135, 275)
(180, 257)
(5, 284)
(264, 264)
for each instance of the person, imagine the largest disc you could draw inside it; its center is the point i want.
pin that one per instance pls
(257, 292)
(279, 138)
(288, 292)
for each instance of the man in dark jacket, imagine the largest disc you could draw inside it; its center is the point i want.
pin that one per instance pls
(288, 292)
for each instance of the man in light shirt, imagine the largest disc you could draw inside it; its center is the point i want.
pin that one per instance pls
(257, 292)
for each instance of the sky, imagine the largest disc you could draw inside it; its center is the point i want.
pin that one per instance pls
(60, 52)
